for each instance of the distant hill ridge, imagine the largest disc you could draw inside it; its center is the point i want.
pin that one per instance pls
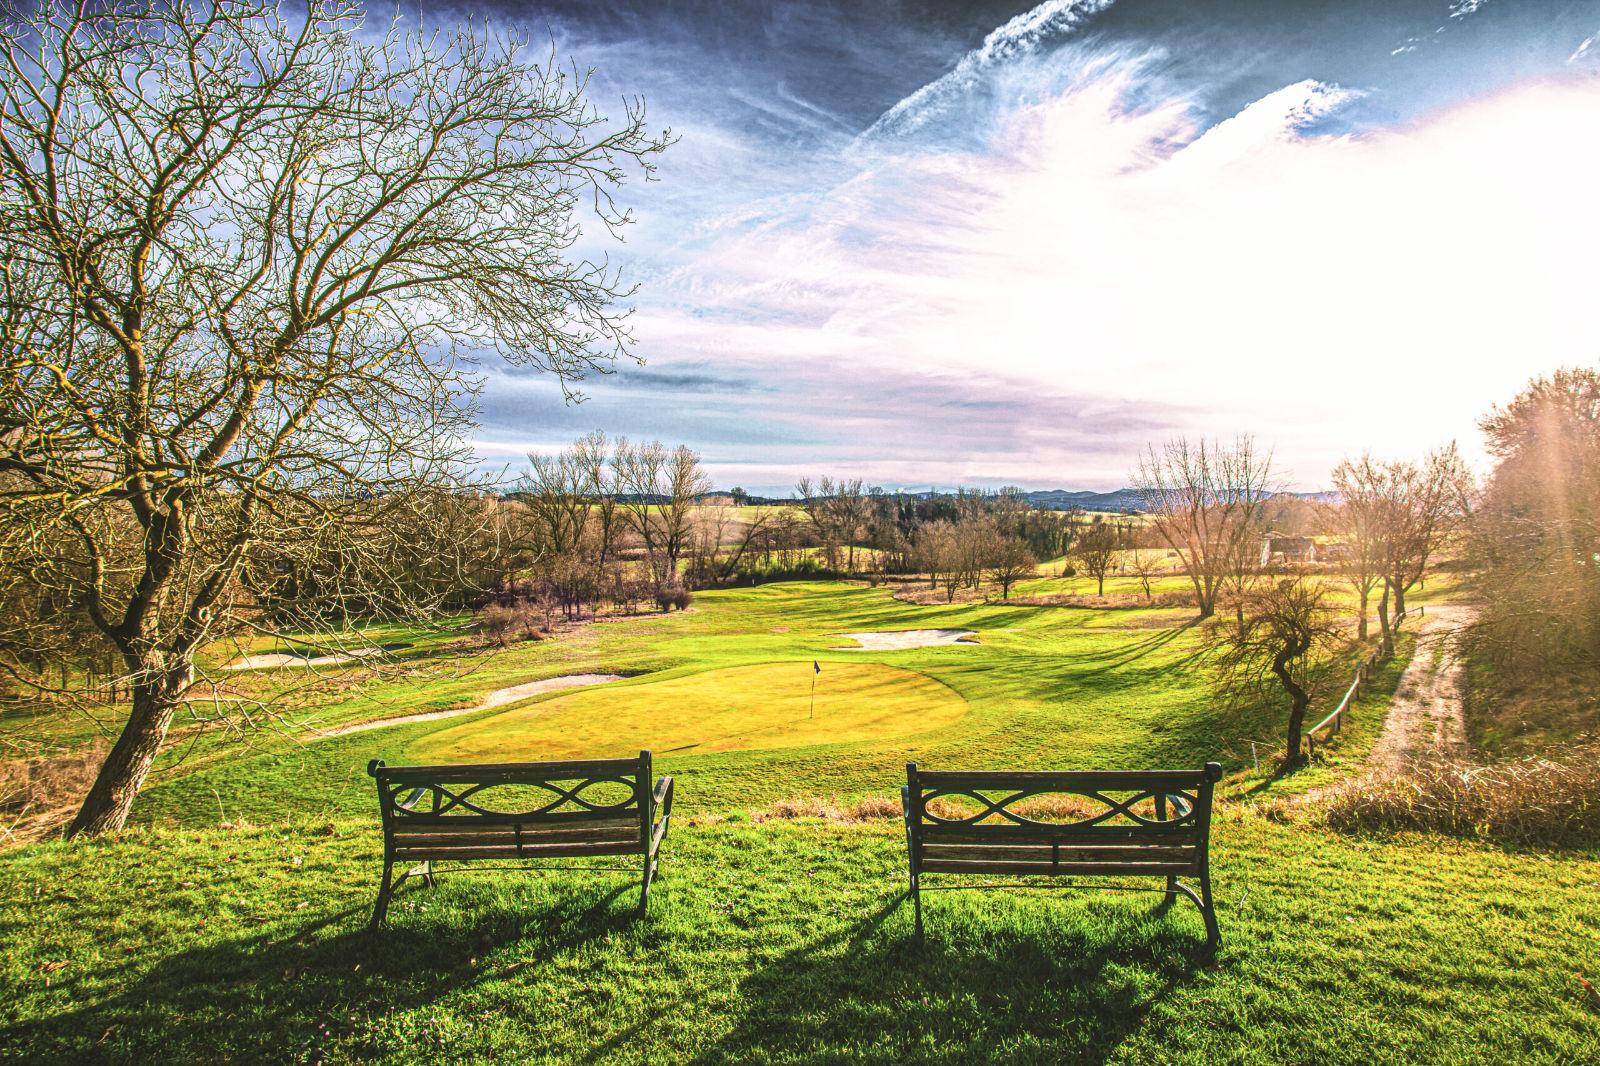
(1124, 500)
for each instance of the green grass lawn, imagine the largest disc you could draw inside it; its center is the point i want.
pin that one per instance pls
(228, 925)
(790, 942)
(767, 706)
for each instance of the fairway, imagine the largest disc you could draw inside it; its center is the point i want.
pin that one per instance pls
(746, 707)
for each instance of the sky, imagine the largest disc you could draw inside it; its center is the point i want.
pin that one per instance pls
(931, 244)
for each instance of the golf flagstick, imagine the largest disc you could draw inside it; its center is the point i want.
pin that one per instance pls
(816, 668)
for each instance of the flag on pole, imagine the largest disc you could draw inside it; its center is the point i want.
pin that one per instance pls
(816, 667)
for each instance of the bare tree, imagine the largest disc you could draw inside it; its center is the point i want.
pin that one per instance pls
(557, 494)
(592, 455)
(839, 510)
(976, 537)
(661, 488)
(939, 551)
(241, 250)
(721, 540)
(1096, 550)
(1207, 503)
(1146, 565)
(1283, 634)
(1417, 507)
(1010, 562)
(1359, 518)
(1435, 497)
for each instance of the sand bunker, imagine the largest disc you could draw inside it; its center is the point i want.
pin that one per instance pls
(908, 638)
(498, 698)
(278, 658)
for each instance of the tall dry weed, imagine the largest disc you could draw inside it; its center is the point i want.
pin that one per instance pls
(1552, 799)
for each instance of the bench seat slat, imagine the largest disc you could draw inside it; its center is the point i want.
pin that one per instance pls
(500, 835)
(1129, 869)
(511, 851)
(1062, 780)
(1048, 853)
(1178, 834)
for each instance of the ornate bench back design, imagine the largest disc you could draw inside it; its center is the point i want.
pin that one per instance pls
(1156, 806)
(513, 793)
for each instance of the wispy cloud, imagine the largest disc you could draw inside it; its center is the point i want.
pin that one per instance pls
(1057, 251)
(1016, 39)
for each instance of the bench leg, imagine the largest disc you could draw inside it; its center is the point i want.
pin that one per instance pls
(384, 892)
(916, 905)
(1209, 910)
(644, 886)
(1172, 894)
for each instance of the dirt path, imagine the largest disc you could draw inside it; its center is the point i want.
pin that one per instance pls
(1424, 720)
(498, 698)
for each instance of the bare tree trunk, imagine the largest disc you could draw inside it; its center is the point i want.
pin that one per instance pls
(1383, 620)
(1361, 629)
(1299, 703)
(155, 700)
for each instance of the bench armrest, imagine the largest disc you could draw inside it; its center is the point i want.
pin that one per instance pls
(662, 799)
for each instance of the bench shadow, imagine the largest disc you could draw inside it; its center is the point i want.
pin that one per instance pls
(272, 992)
(977, 991)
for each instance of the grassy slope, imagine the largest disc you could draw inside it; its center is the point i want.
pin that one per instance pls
(1068, 687)
(789, 943)
(785, 942)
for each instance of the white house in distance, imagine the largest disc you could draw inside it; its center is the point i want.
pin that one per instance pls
(1283, 550)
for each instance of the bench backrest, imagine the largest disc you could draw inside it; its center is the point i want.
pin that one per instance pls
(516, 810)
(1060, 822)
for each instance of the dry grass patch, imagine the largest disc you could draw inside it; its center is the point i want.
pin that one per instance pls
(1551, 799)
(38, 794)
(1055, 808)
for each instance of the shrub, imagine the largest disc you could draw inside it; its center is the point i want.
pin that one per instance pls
(510, 622)
(670, 596)
(1551, 799)
(808, 568)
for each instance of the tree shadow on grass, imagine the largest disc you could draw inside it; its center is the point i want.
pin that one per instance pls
(282, 994)
(1016, 986)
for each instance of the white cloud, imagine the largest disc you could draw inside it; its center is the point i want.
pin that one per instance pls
(1014, 40)
(1331, 293)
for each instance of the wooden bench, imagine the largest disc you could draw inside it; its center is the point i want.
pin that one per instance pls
(452, 813)
(1117, 824)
